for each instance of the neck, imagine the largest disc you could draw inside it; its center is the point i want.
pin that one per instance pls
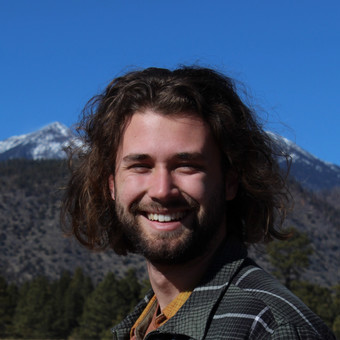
(168, 281)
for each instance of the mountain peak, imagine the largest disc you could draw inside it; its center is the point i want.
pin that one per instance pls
(46, 143)
(56, 126)
(310, 171)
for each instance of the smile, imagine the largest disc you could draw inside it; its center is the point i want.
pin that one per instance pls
(165, 217)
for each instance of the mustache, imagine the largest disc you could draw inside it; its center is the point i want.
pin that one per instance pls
(183, 204)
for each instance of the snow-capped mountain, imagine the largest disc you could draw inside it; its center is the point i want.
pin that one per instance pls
(310, 171)
(49, 143)
(46, 143)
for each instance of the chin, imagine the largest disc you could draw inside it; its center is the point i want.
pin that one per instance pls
(169, 251)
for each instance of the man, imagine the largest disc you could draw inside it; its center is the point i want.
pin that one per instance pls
(177, 168)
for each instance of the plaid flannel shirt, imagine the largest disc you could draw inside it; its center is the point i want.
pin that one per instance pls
(236, 300)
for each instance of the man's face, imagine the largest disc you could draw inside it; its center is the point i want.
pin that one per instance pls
(168, 187)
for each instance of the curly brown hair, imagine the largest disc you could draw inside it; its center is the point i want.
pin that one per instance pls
(257, 212)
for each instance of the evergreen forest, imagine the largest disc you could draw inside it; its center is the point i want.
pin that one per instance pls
(68, 308)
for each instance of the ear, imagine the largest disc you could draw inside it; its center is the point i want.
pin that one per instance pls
(112, 186)
(231, 185)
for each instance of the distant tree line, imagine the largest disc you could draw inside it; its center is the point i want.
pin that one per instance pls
(68, 308)
(73, 308)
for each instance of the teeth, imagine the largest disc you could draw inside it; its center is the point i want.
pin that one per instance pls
(165, 218)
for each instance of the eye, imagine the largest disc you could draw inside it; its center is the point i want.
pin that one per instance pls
(189, 168)
(139, 167)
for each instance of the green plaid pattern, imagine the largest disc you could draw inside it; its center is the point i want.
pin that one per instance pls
(236, 300)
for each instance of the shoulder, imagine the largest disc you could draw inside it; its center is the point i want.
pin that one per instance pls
(256, 297)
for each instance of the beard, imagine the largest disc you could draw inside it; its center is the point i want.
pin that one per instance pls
(189, 241)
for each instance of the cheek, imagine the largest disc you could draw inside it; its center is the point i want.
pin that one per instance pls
(129, 188)
(205, 189)
(197, 188)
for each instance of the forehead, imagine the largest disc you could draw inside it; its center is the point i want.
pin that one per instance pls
(152, 132)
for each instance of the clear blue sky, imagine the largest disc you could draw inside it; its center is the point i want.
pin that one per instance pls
(55, 55)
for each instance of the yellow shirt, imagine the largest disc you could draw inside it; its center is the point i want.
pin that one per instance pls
(150, 320)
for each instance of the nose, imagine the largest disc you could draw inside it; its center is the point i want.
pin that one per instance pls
(161, 185)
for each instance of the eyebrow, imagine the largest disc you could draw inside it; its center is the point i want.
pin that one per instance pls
(136, 157)
(190, 156)
(182, 156)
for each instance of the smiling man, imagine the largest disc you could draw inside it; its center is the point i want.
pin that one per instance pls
(167, 186)
(177, 168)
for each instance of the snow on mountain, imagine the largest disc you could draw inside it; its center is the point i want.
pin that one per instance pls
(310, 171)
(46, 143)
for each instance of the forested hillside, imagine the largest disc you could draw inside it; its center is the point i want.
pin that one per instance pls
(31, 240)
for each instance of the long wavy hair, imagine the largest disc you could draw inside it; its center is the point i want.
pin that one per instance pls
(259, 209)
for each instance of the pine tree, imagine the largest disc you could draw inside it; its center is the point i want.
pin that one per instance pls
(61, 325)
(110, 301)
(130, 290)
(78, 290)
(99, 309)
(290, 258)
(318, 299)
(8, 301)
(34, 312)
(336, 322)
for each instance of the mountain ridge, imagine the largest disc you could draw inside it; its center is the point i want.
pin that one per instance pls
(310, 171)
(46, 143)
